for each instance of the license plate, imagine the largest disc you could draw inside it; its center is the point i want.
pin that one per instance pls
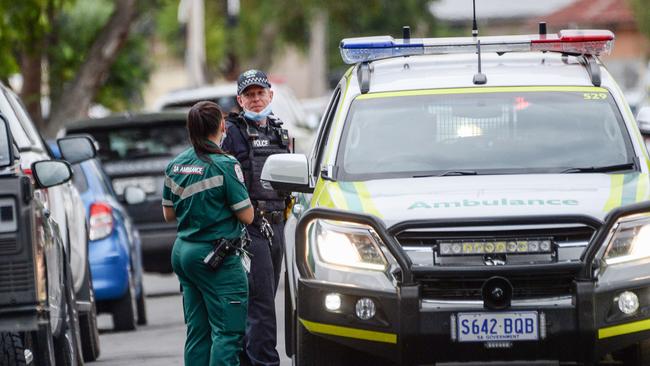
(507, 326)
(147, 184)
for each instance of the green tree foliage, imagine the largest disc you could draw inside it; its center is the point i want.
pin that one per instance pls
(23, 24)
(641, 10)
(76, 29)
(61, 33)
(264, 26)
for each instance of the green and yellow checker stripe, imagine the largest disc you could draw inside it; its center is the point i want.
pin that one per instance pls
(352, 196)
(622, 329)
(626, 189)
(347, 332)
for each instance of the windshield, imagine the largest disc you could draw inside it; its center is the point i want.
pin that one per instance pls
(465, 131)
(141, 142)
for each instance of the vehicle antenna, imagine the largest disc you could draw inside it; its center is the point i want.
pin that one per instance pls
(479, 78)
(474, 25)
(406, 33)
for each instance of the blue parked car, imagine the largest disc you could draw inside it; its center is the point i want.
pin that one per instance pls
(114, 249)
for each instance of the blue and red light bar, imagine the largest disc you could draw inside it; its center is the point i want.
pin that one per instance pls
(581, 42)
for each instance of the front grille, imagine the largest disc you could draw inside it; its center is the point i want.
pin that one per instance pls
(8, 246)
(559, 235)
(528, 286)
(15, 277)
(423, 248)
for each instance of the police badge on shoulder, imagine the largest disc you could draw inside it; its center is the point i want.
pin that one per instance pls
(239, 173)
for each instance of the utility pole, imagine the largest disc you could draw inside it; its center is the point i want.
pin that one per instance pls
(318, 54)
(192, 14)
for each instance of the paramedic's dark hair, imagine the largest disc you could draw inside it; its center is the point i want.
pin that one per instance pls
(204, 119)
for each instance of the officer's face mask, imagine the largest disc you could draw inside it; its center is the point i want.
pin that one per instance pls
(258, 116)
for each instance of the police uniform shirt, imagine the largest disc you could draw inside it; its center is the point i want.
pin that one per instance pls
(205, 196)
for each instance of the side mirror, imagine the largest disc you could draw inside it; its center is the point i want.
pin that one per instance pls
(49, 173)
(287, 172)
(75, 149)
(643, 120)
(134, 195)
(6, 144)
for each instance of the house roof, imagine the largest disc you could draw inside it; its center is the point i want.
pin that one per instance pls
(592, 13)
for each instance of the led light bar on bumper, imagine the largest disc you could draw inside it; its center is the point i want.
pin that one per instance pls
(494, 246)
(363, 49)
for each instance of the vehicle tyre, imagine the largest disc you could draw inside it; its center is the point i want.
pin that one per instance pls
(289, 326)
(67, 344)
(42, 345)
(124, 309)
(89, 334)
(88, 324)
(142, 306)
(12, 350)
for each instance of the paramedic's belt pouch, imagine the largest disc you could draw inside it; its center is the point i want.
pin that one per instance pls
(222, 248)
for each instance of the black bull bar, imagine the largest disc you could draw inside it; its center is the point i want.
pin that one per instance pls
(584, 269)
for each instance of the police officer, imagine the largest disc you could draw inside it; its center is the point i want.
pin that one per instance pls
(252, 136)
(204, 192)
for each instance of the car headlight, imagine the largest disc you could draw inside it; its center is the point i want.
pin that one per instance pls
(629, 240)
(347, 244)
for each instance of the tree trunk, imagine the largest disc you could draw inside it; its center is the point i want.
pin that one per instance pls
(78, 95)
(265, 47)
(30, 93)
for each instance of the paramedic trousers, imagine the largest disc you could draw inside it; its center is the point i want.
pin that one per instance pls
(214, 303)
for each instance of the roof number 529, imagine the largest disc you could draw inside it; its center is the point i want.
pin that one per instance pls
(595, 96)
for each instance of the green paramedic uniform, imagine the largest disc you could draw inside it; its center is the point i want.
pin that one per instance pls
(204, 197)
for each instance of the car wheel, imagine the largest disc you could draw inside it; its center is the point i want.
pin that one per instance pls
(124, 309)
(67, 344)
(12, 350)
(142, 306)
(88, 324)
(41, 343)
(89, 333)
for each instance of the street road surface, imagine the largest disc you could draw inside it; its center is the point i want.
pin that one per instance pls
(160, 343)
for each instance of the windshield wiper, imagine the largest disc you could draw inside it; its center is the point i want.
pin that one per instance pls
(600, 169)
(448, 173)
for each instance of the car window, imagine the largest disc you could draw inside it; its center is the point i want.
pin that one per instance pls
(324, 132)
(486, 132)
(141, 142)
(20, 136)
(25, 121)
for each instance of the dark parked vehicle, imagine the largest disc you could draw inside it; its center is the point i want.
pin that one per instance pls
(135, 150)
(39, 323)
(66, 209)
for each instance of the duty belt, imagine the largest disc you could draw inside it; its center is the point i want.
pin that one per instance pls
(273, 217)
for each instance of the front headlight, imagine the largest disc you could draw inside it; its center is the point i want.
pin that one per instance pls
(347, 244)
(629, 240)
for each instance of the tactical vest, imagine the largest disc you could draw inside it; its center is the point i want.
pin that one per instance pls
(262, 142)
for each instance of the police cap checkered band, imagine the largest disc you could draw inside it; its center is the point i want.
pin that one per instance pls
(252, 77)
